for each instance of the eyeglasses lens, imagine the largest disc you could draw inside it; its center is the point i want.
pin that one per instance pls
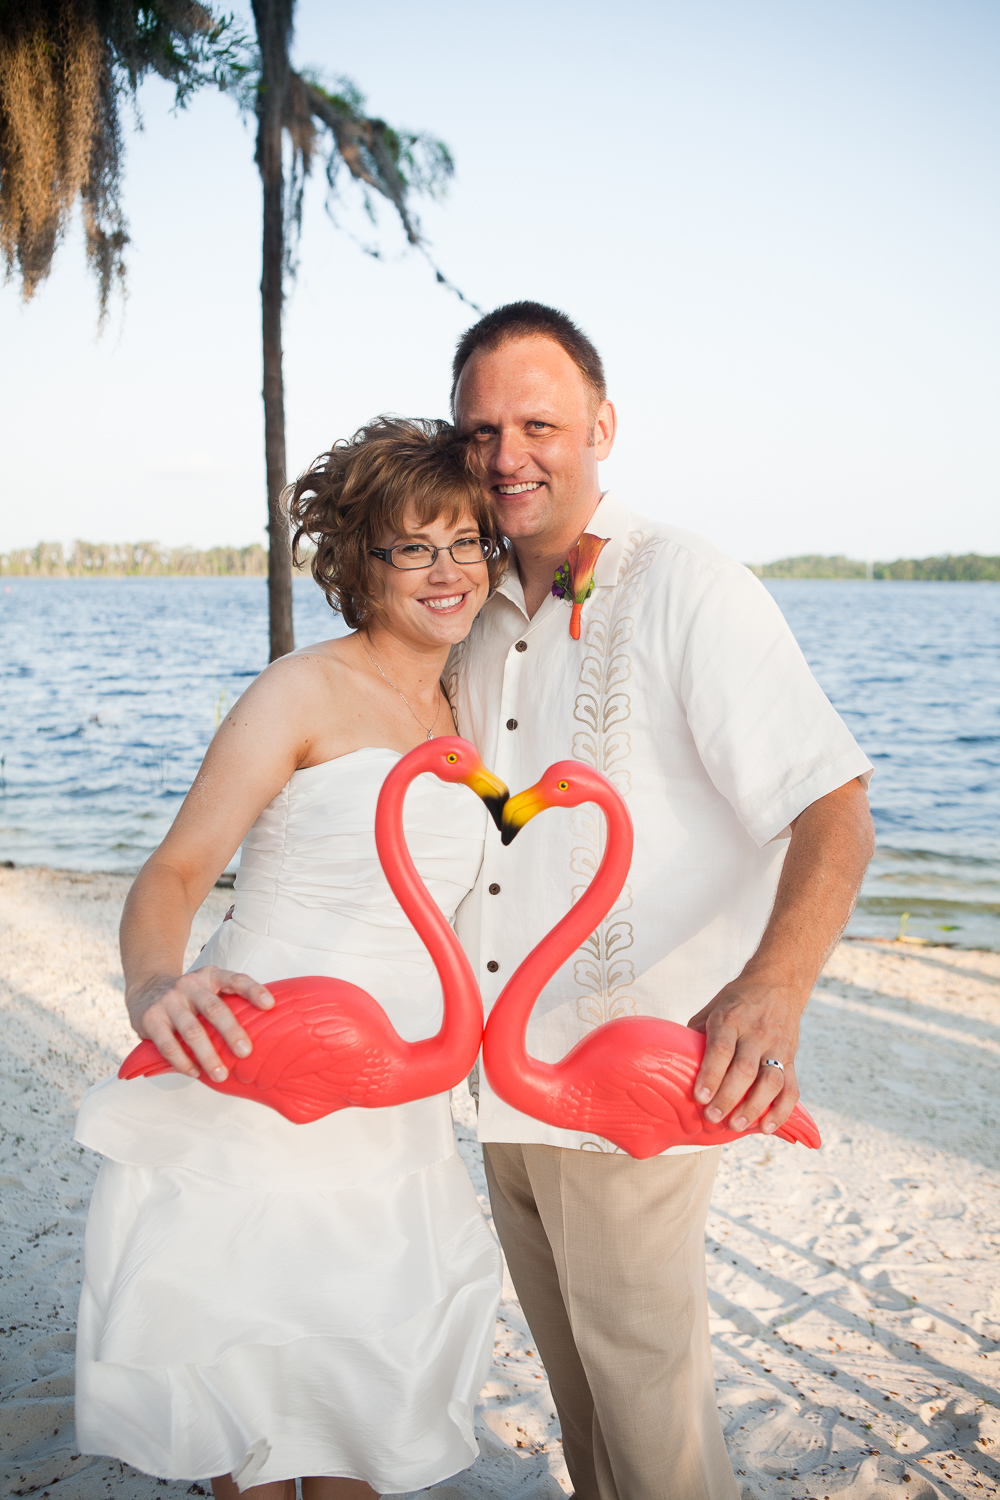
(468, 549)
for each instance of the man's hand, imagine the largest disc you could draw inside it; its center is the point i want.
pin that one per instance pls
(757, 1015)
(748, 1021)
(168, 1008)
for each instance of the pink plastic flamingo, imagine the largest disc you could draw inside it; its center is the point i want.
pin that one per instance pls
(631, 1080)
(327, 1044)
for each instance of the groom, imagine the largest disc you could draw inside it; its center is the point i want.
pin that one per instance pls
(752, 833)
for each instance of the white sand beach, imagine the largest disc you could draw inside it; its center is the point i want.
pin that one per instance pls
(855, 1299)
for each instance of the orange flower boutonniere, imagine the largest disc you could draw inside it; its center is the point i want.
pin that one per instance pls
(575, 579)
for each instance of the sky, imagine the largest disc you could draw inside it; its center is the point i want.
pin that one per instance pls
(779, 220)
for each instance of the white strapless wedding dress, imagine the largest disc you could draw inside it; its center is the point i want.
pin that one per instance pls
(271, 1299)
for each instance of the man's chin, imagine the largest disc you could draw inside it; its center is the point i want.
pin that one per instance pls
(521, 515)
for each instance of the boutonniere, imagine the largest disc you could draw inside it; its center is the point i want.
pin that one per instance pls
(575, 579)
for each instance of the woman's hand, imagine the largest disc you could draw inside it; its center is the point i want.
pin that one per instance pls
(167, 1008)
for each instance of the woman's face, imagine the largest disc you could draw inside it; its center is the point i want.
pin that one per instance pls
(432, 606)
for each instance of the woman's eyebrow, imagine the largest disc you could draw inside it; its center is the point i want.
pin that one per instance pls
(421, 536)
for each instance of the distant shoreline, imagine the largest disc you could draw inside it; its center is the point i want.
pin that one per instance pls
(968, 567)
(151, 560)
(136, 560)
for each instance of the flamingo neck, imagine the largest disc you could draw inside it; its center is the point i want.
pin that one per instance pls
(508, 1059)
(462, 1020)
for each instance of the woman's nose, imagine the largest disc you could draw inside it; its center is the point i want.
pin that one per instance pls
(444, 568)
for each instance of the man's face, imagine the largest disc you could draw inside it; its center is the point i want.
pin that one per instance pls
(532, 415)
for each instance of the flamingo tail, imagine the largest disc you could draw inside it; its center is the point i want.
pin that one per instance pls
(801, 1129)
(144, 1061)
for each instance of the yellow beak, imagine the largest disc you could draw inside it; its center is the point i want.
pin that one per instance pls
(492, 790)
(520, 810)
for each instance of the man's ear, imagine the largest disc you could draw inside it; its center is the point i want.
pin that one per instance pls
(605, 427)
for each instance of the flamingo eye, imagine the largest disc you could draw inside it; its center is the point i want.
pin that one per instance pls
(564, 786)
(452, 758)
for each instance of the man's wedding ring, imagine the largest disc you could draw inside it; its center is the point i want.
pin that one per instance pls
(772, 1062)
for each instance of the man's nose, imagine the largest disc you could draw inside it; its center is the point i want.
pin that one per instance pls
(509, 454)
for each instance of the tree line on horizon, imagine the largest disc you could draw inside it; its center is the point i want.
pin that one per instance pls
(133, 560)
(151, 560)
(969, 567)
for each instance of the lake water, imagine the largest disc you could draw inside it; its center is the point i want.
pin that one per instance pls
(111, 690)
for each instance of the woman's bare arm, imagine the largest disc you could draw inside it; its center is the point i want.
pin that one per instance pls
(258, 746)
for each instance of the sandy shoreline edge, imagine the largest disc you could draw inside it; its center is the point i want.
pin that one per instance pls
(856, 1310)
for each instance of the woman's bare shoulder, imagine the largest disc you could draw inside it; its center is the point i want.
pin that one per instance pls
(326, 659)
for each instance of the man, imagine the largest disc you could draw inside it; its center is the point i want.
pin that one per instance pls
(752, 833)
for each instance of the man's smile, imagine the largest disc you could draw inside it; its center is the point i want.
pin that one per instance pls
(518, 489)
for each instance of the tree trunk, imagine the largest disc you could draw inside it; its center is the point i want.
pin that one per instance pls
(273, 20)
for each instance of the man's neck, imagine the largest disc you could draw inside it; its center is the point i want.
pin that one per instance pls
(540, 557)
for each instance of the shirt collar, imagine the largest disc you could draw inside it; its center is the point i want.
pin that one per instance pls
(610, 519)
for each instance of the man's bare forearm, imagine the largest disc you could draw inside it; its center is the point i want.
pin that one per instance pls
(832, 842)
(756, 1016)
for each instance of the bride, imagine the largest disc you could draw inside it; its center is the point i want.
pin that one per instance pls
(265, 1300)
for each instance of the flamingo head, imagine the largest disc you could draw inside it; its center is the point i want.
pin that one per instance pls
(566, 784)
(454, 759)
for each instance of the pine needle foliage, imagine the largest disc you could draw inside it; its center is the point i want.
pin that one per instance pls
(66, 67)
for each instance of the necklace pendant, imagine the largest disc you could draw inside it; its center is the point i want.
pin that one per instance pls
(430, 734)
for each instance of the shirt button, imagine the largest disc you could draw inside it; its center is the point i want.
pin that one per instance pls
(493, 966)
(521, 646)
(494, 889)
(511, 723)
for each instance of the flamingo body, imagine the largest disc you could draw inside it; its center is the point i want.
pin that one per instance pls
(328, 1045)
(630, 1081)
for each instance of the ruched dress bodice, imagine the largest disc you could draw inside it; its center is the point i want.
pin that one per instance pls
(231, 1253)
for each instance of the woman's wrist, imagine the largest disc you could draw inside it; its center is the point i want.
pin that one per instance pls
(139, 998)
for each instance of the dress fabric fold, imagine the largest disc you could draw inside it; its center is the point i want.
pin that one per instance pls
(270, 1299)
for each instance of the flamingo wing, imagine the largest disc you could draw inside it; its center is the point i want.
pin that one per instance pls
(325, 1044)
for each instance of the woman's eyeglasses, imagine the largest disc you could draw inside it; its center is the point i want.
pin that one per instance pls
(408, 555)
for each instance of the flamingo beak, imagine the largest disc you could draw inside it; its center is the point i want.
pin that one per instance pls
(520, 810)
(491, 789)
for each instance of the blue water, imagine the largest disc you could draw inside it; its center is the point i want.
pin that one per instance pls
(111, 690)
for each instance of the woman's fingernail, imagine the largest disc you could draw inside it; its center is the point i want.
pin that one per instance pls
(769, 1128)
(703, 1095)
(715, 1115)
(242, 1049)
(740, 1123)
(219, 1074)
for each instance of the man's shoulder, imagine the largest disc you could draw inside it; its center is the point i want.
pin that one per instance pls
(675, 539)
(674, 549)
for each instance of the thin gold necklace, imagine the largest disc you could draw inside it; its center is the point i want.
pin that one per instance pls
(429, 732)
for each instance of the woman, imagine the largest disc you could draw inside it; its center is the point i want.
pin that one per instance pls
(265, 1300)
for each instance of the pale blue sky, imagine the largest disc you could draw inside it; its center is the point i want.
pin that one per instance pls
(778, 219)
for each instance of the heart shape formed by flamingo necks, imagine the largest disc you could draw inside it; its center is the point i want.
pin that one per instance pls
(326, 1044)
(630, 1080)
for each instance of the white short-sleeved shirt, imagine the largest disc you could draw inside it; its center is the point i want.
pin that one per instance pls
(688, 690)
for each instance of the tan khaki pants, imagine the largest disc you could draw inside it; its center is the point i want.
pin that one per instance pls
(608, 1258)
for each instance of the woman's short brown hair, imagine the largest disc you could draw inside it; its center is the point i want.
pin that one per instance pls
(357, 493)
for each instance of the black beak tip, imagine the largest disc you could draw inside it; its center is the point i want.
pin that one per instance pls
(509, 832)
(496, 804)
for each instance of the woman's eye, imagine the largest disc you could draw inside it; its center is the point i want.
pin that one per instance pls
(412, 549)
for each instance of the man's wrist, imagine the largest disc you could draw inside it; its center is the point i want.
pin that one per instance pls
(791, 983)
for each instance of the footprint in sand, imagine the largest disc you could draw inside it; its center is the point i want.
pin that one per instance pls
(787, 1440)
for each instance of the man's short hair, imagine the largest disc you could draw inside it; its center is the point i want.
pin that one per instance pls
(525, 320)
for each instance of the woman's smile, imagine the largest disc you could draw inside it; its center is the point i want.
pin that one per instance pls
(445, 603)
